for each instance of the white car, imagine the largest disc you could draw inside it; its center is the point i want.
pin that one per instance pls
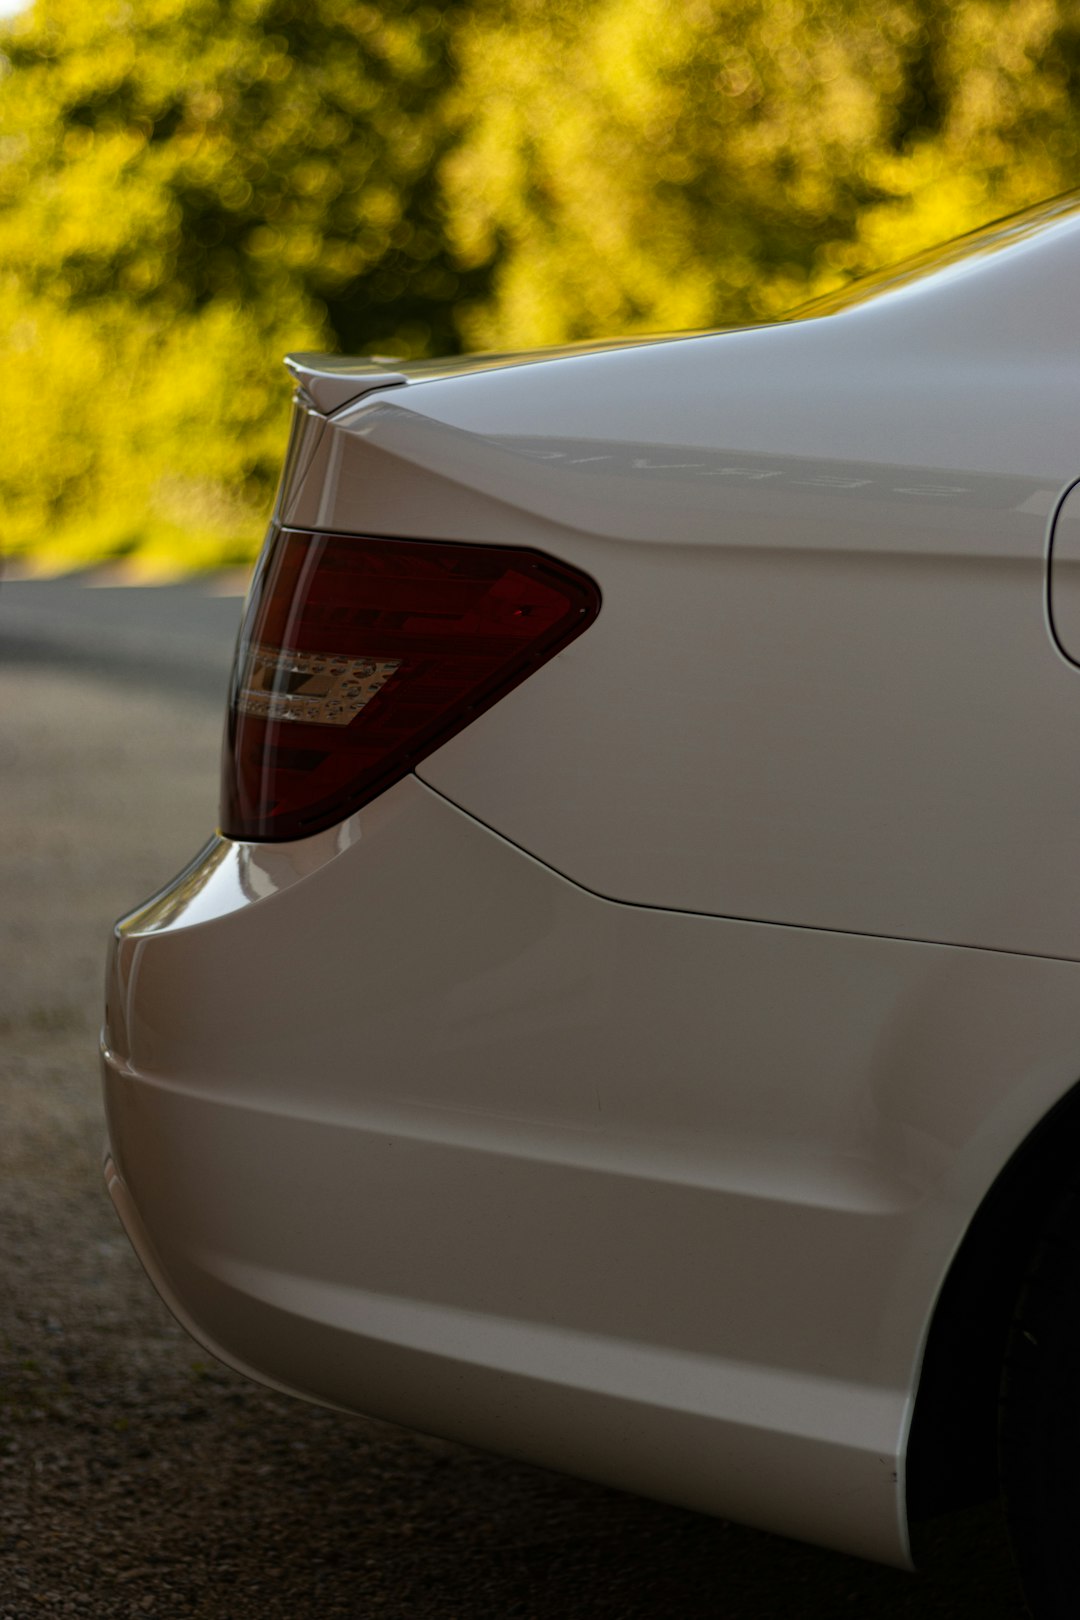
(630, 1015)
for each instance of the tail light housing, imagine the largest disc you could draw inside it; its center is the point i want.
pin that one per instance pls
(357, 657)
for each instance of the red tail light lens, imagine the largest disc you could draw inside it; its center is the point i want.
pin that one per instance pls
(358, 657)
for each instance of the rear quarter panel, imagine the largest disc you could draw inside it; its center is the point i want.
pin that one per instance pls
(821, 690)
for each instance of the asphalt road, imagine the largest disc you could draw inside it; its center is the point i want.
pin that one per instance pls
(139, 1478)
(176, 638)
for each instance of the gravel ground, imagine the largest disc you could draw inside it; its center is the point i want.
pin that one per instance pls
(138, 1478)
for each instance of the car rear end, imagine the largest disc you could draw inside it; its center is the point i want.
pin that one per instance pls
(558, 1046)
(394, 1117)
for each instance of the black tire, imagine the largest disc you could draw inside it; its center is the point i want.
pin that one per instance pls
(1039, 1426)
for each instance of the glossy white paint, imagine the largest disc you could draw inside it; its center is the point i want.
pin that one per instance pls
(808, 697)
(448, 1136)
(618, 1094)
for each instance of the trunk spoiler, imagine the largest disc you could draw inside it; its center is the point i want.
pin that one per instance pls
(330, 381)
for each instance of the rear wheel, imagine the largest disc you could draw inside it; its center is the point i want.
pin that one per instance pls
(1040, 1422)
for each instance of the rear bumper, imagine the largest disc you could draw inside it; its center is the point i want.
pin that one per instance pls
(240, 1228)
(148, 1258)
(403, 1122)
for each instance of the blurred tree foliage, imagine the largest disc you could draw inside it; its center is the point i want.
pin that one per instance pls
(187, 189)
(629, 165)
(190, 187)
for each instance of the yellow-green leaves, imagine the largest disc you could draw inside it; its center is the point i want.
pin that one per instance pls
(188, 188)
(645, 164)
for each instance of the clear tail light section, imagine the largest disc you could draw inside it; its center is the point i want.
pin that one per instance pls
(357, 657)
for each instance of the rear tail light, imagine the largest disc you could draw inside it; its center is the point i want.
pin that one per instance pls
(358, 657)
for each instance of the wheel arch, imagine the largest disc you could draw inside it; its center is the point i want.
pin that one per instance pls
(952, 1443)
